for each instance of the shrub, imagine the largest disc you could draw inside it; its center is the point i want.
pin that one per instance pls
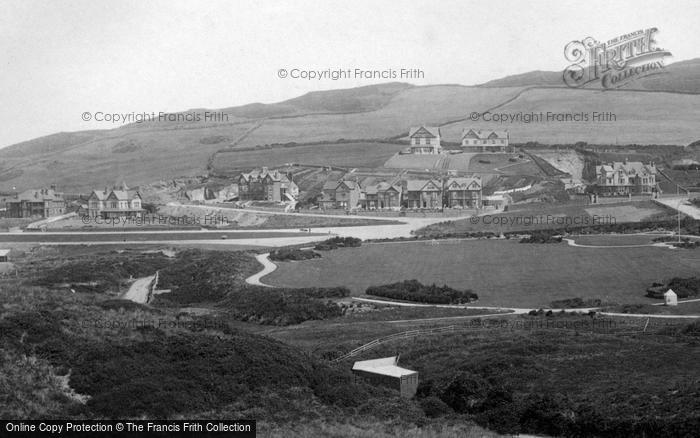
(434, 407)
(412, 290)
(278, 306)
(338, 242)
(542, 237)
(285, 254)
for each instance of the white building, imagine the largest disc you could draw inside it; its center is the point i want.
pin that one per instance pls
(478, 141)
(425, 140)
(670, 298)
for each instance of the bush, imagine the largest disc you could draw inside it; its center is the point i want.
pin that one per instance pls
(338, 242)
(434, 407)
(542, 237)
(278, 306)
(286, 254)
(412, 290)
(683, 287)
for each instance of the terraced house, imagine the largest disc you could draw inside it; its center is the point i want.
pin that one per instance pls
(421, 193)
(266, 185)
(625, 178)
(341, 194)
(115, 203)
(478, 141)
(381, 196)
(36, 203)
(425, 140)
(463, 192)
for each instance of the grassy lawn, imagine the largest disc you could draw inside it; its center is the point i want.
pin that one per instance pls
(335, 154)
(544, 216)
(501, 272)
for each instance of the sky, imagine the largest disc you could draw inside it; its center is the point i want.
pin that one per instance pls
(61, 59)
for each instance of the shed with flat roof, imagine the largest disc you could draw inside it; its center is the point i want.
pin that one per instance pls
(386, 372)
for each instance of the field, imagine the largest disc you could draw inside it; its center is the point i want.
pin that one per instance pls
(503, 273)
(140, 154)
(534, 216)
(349, 155)
(667, 120)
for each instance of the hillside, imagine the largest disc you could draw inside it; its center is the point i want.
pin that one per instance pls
(146, 152)
(679, 77)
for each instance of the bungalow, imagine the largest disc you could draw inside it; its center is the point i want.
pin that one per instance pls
(4, 253)
(381, 196)
(266, 185)
(423, 193)
(115, 203)
(462, 192)
(626, 178)
(425, 140)
(340, 194)
(478, 141)
(41, 203)
(386, 372)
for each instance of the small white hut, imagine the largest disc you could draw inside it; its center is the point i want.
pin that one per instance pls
(670, 298)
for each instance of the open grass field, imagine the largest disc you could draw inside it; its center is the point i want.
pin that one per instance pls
(503, 273)
(668, 119)
(361, 154)
(535, 216)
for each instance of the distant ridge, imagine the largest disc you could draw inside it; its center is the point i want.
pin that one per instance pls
(679, 77)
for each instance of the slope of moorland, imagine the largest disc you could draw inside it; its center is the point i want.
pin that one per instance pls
(141, 153)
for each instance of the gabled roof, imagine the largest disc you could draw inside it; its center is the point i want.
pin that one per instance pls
(37, 195)
(386, 366)
(464, 183)
(422, 185)
(424, 131)
(629, 168)
(483, 134)
(350, 185)
(4, 252)
(123, 195)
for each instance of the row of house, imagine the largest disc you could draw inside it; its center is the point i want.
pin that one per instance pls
(266, 185)
(455, 192)
(426, 140)
(623, 178)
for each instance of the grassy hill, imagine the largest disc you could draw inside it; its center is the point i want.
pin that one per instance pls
(679, 77)
(142, 153)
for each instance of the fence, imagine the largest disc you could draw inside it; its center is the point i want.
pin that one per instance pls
(395, 336)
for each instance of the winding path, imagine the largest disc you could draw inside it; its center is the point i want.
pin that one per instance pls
(268, 267)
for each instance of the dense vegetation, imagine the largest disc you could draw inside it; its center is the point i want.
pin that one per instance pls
(287, 254)
(413, 290)
(279, 306)
(338, 242)
(683, 287)
(560, 382)
(576, 303)
(101, 273)
(159, 373)
(542, 237)
(204, 278)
